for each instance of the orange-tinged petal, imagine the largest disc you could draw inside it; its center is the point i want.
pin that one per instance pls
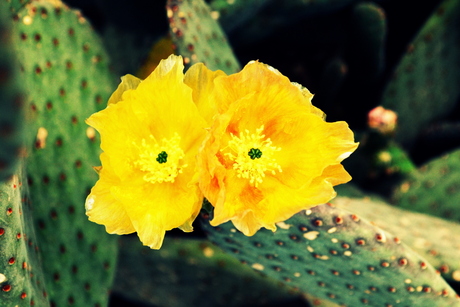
(260, 79)
(335, 174)
(269, 153)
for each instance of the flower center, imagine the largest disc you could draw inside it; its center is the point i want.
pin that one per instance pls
(162, 157)
(160, 160)
(253, 155)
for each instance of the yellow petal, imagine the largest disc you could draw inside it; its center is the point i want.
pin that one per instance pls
(117, 140)
(309, 96)
(201, 80)
(128, 82)
(103, 208)
(156, 208)
(260, 79)
(173, 66)
(249, 224)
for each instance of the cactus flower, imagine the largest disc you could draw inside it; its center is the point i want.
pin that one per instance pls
(269, 153)
(150, 133)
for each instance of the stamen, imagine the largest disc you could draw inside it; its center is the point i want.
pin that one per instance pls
(160, 162)
(253, 155)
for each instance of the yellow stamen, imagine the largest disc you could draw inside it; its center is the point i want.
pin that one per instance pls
(160, 161)
(253, 155)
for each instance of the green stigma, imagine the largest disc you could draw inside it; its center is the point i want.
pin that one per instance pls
(162, 157)
(255, 153)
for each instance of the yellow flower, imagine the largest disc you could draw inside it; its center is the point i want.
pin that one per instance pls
(269, 153)
(150, 133)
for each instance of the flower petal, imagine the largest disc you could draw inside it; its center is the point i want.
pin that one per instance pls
(156, 208)
(201, 80)
(128, 82)
(103, 208)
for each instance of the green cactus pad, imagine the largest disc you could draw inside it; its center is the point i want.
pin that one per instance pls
(67, 76)
(433, 189)
(433, 238)
(21, 277)
(198, 37)
(425, 84)
(336, 255)
(11, 100)
(192, 272)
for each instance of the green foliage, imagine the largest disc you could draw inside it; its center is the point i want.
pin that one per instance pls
(198, 37)
(339, 256)
(424, 86)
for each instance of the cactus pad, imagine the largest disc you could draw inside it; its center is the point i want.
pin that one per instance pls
(433, 189)
(21, 277)
(433, 238)
(425, 84)
(338, 256)
(67, 76)
(198, 37)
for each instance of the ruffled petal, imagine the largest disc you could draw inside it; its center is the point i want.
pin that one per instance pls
(156, 208)
(128, 82)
